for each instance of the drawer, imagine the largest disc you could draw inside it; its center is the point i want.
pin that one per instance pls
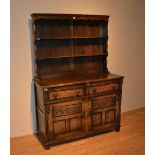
(65, 94)
(102, 88)
(67, 108)
(59, 93)
(103, 102)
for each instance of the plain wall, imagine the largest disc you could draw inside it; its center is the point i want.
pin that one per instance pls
(126, 51)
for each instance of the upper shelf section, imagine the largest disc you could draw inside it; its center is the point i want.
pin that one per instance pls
(69, 43)
(71, 26)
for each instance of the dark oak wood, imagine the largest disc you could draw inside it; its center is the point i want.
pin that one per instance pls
(76, 95)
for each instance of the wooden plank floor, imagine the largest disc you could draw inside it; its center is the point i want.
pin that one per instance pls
(129, 141)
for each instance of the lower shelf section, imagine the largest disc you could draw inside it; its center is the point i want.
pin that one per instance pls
(66, 139)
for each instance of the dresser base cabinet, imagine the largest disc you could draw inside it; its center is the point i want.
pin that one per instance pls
(74, 111)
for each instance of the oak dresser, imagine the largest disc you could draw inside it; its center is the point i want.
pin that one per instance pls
(76, 96)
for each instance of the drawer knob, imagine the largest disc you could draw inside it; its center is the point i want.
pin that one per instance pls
(113, 88)
(94, 90)
(78, 93)
(55, 96)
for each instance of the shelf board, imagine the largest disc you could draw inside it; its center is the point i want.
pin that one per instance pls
(74, 77)
(75, 56)
(67, 38)
(48, 16)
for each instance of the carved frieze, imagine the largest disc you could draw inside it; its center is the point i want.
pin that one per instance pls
(106, 102)
(67, 110)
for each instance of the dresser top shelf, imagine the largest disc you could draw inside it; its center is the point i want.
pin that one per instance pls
(50, 16)
(74, 78)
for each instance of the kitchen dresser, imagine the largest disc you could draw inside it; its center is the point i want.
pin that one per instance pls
(76, 95)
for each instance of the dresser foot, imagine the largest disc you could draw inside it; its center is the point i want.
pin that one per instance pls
(47, 147)
(117, 129)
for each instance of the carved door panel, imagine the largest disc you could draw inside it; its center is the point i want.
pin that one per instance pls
(102, 112)
(66, 118)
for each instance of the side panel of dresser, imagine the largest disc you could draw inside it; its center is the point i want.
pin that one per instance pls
(42, 112)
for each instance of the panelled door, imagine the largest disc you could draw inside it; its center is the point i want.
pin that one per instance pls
(103, 111)
(66, 118)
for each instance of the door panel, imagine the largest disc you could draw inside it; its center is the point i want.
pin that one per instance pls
(75, 123)
(110, 116)
(97, 119)
(66, 118)
(59, 127)
(102, 112)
